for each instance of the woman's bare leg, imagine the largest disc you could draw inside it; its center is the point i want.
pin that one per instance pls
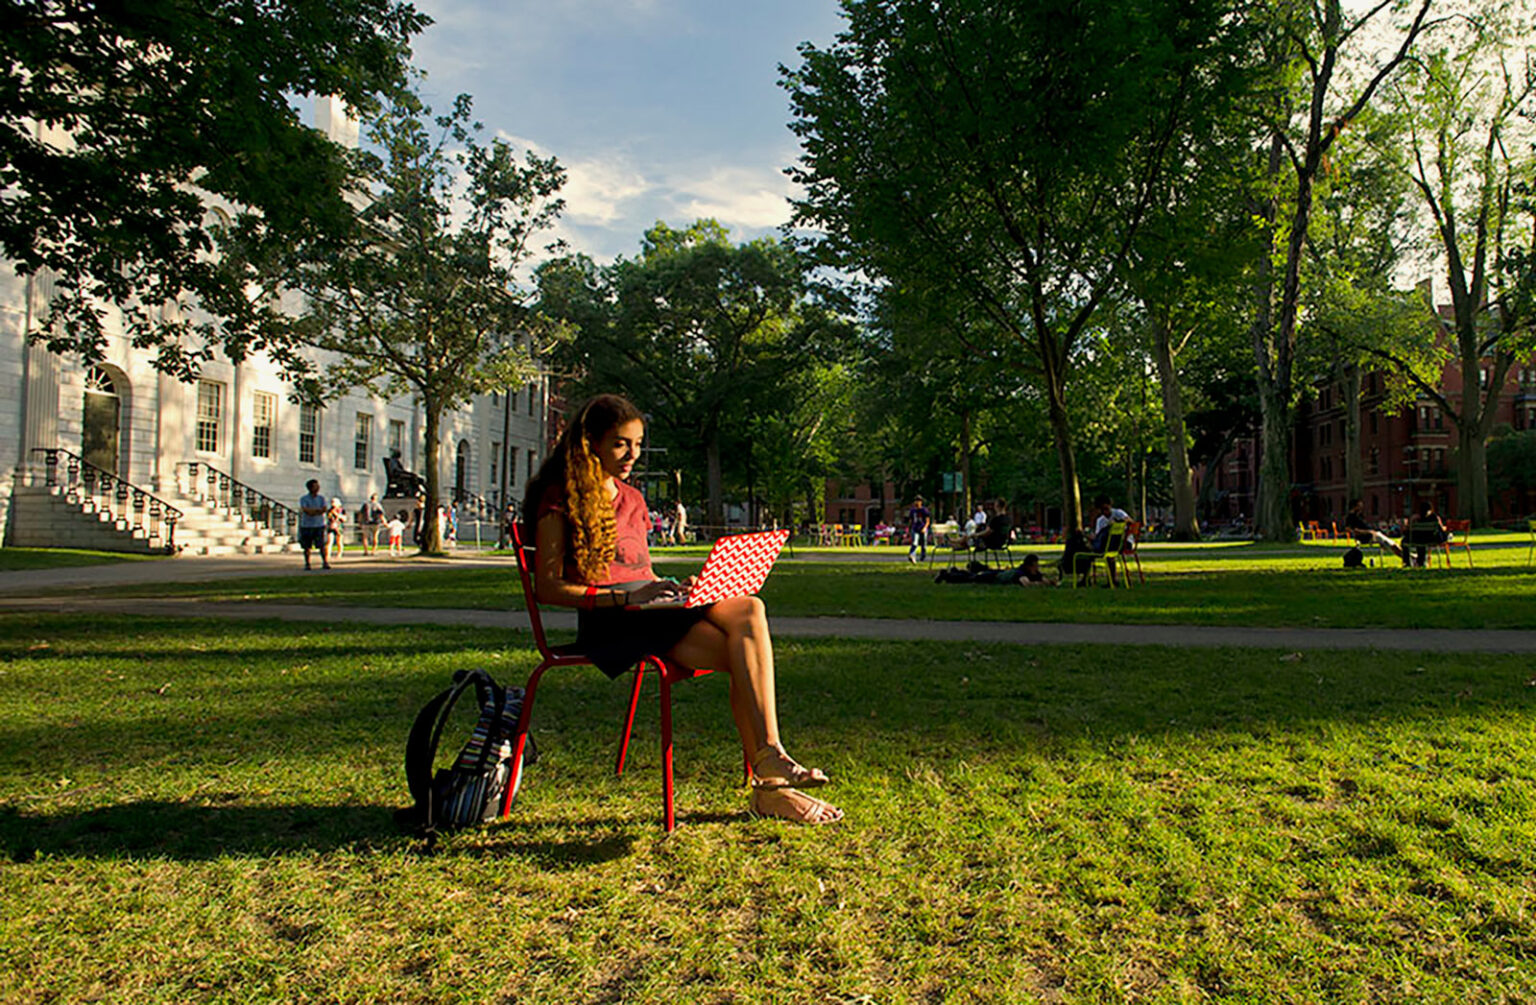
(734, 637)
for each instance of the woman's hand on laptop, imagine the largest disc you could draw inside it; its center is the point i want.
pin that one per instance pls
(659, 589)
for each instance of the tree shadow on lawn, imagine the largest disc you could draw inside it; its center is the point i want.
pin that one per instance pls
(186, 832)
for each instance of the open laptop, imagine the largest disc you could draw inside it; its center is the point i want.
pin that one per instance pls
(736, 567)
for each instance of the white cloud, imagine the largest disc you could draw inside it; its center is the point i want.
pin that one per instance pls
(750, 197)
(610, 200)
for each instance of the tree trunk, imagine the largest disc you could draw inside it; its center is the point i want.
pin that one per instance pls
(965, 465)
(1354, 474)
(1061, 432)
(431, 530)
(1274, 520)
(714, 488)
(1272, 352)
(1472, 475)
(1186, 524)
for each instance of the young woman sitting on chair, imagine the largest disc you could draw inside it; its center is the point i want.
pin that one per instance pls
(589, 528)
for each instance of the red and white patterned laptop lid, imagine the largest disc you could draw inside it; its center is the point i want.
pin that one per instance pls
(736, 567)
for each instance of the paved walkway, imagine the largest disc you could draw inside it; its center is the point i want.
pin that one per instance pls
(29, 591)
(1022, 633)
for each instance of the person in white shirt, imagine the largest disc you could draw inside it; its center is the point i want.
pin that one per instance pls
(1108, 514)
(397, 535)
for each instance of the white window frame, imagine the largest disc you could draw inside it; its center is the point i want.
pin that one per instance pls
(311, 412)
(209, 421)
(264, 429)
(362, 440)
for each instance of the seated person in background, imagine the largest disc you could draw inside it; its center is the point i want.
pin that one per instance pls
(1363, 533)
(1108, 514)
(1423, 530)
(994, 536)
(1078, 541)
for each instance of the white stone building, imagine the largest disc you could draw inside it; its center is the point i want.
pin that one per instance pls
(126, 418)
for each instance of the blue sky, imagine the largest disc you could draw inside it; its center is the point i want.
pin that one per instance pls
(658, 109)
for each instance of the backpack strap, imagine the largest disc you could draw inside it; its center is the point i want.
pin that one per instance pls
(427, 730)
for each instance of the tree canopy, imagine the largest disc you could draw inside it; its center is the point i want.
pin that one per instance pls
(421, 295)
(706, 336)
(1008, 151)
(120, 121)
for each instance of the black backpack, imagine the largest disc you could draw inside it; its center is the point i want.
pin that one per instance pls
(482, 782)
(1353, 559)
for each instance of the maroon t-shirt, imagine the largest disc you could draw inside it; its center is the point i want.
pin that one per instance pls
(631, 555)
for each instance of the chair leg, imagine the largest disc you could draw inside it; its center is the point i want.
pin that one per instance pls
(666, 749)
(629, 721)
(524, 720)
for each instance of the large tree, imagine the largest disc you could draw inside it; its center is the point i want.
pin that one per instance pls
(423, 296)
(1466, 102)
(1303, 119)
(1007, 151)
(120, 121)
(700, 332)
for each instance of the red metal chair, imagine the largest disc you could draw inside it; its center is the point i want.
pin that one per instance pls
(667, 673)
(1459, 536)
(1129, 553)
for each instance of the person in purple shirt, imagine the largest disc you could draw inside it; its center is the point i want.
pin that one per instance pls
(919, 524)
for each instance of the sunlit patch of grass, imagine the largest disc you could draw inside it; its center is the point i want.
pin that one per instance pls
(1270, 588)
(29, 559)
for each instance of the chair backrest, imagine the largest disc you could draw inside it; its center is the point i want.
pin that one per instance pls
(1462, 527)
(525, 559)
(1132, 535)
(1423, 533)
(1116, 539)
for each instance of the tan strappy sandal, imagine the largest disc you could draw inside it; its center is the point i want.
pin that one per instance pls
(791, 774)
(794, 806)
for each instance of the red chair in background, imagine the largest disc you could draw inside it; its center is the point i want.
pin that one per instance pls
(667, 672)
(1459, 535)
(1129, 554)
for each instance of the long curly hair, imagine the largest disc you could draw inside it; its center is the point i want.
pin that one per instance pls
(573, 467)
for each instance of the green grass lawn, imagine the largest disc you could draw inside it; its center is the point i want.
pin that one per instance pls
(28, 559)
(1263, 587)
(201, 811)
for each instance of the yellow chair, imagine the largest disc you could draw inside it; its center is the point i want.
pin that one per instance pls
(1109, 557)
(853, 535)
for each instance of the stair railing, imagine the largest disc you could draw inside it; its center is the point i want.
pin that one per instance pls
(473, 507)
(208, 484)
(126, 504)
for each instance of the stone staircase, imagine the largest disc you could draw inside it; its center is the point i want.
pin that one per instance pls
(206, 529)
(44, 516)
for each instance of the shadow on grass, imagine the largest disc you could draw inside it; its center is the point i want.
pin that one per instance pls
(199, 832)
(189, 831)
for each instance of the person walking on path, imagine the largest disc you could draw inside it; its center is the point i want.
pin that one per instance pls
(919, 526)
(312, 508)
(336, 527)
(679, 523)
(373, 524)
(590, 527)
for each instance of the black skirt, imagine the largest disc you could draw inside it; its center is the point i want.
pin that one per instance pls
(615, 638)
